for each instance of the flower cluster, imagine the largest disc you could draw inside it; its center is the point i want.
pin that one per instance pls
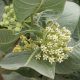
(9, 19)
(24, 44)
(54, 45)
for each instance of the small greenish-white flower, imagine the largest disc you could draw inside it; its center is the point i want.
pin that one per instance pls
(66, 31)
(52, 37)
(5, 15)
(45, 56)
(68, 49)
(51, 59)
(44, 48)
(48, 29)
(55, 45)
(6, 23)
(12, 19)
(38, 56)
(1, 23)
(11, 6)
(17, 29)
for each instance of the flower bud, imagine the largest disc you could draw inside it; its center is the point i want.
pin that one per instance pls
(17, 29)
(7, 8)
(11, 6)
(4, 16)
(1, 23)
(6, 23)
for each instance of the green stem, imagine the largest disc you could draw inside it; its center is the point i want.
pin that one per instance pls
(32, 21)
(42, 1)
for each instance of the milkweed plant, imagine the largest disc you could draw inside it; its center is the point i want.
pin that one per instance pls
(41, 36)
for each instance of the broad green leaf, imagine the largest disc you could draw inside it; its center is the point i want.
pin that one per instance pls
(28, 72)
(26, 59)
(43, 67)
(76, 34)
(13, 61)
(70, 20)
(7, 39)
(53, 8)
(72, 42)
(24, 8)
(72, 63)
(1, 8)
(70, 16)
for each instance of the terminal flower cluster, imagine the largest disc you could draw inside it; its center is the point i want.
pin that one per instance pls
(9, 19)
(54, 45)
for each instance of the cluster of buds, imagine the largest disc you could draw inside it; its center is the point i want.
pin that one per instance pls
(54, 45)
(9, 19)
(24, 44)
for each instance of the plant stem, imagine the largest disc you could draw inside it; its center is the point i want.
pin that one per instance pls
(32, 21)
(1, 78)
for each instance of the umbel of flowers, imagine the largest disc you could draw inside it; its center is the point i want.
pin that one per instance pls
(9, 19)
(54, 44)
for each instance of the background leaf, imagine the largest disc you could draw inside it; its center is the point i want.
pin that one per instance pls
(70, 20)
(76, 34)
(24, 8)
(70, 16)
(15, 61)
(1, 8)
(7, 2)
(28, 72)
(7, 39)
(72, 64)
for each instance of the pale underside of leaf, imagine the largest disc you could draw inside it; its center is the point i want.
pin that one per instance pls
(16, 61)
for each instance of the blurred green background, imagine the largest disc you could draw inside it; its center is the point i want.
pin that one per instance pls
(76, 1)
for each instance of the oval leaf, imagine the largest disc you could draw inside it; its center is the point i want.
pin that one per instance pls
(15, 61)
(24, 8)
(7, 39)
(72, 63)
(70, 16)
